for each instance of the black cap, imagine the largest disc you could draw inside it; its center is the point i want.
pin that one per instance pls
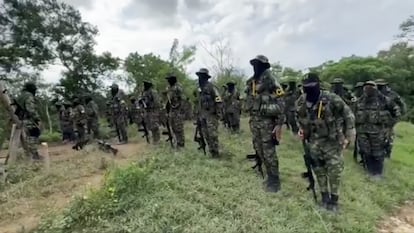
(310, 78)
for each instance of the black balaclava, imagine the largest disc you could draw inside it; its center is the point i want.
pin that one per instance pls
(88, 99)
(382, 88)
(230, 88)
(203, 79)
(338, 89)
(114, 90)
(172, 80)
(259, 67)
(30, 87)
(311, 86)
(292, 86)
(147, 86)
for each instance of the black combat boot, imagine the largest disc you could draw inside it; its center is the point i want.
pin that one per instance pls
(273, 183)
(333, 203)
(325, 200)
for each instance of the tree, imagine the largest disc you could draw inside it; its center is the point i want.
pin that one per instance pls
(180, 59)
(407, 29)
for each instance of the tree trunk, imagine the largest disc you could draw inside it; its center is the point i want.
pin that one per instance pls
(49, 121)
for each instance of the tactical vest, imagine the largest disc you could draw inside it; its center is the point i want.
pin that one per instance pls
(319, 121)
(373, 112)
(208, 96)
(265, 104)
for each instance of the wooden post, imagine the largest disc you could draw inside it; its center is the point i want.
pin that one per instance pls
(17, 131)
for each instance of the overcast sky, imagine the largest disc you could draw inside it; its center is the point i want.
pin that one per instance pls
(298, 33)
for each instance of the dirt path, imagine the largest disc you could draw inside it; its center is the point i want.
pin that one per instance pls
(402, 222)
(27, 211)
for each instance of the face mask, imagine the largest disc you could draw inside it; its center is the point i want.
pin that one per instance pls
(202, 80)
(312, 93)
(382, 88)
(230, 89)
(370, 91)
(338, 89)
(259, 68)
(172, 81)
(147, 86)
(114, 91)
(358, 92)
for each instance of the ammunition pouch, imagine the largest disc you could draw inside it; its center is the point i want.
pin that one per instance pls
(269, 107)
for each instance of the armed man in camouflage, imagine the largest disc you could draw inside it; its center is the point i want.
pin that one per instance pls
(80, 120)
(67, 123)
(175, 109)
(327, 126)
(92, 112)
(396, 98)
(359, 89)
(292, 94)
(152, 107)
(266, 117)
(375, 114)
(339, 89)
(136, 112)
(27, 113)
(209, 110)
(119, 113)
(232, 107)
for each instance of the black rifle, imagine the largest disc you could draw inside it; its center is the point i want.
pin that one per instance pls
(169, 133)
(308, 174)
(258, 164)
(104, 146)
(199, 136)
(356, 151)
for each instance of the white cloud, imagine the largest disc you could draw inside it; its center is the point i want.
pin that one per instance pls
(298, 33)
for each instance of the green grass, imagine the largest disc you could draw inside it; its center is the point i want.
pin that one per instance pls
(190, 192)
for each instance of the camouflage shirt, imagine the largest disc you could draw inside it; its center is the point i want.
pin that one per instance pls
(376, 113)
(27, 102)
(232, 102)
(175, 96)
(92, 110)
(118, 105)
(262, 98)
(209, 100)
(151, 99)
(79, 115)
(396, 98)
(326, 120)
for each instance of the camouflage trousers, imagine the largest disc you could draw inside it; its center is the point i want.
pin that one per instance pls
(81, 130)
(152, 120)
(93, 128)
(328, 164)
(177, 126)
(67, 132)
(30, 139)
(291, 121)
(371, 148)
(233, 120)
(209, 127)
(120, 123)
(261, 128)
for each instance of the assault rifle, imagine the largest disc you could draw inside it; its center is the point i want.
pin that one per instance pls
(168, 132)
(104, 146)
(145, 130)
(259, 163)
(308, 174)
(199, 136)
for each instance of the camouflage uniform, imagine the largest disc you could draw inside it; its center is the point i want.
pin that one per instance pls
(291, 95)
(339, 89)
(136, 112)
(80, 120)
(67, 123)
(232, 107)
(175, 109)
(119, 113)
(188, 110)
(93, 117)
(322, 117)
(209, 110)
(266, 115)
(394, 97)
(152, 110)
(375, 113)
(30, 119)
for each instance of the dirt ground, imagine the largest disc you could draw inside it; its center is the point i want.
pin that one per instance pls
(401, 222)
(29, 211)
